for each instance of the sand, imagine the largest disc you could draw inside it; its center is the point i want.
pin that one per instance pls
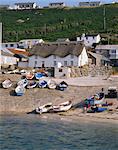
(78, 90)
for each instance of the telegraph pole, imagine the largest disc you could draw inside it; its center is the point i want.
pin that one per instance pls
(104, 15)
(0, 44)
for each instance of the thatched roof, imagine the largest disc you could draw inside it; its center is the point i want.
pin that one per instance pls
(58, 49)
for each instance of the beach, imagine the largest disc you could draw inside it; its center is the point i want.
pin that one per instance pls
(78, 90)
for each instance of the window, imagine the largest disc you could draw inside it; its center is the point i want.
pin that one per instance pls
(6, 45)
(43, 64)
(60, 70)
(72, 56)
(54, 56)
(35, 63)
(113, 51)
(65, 63)
(55, 63)
(71, 63)
(11, 45)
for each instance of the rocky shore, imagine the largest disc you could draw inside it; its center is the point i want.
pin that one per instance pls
(78, 90)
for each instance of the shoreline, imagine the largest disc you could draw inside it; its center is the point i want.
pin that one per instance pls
(14, 105)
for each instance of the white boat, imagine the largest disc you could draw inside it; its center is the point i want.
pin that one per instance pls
(42, 84)
(99, 98)
(19, 90)
(62, 107)
(23, 82)
(52, 84)
(7, 84)
(44, 108)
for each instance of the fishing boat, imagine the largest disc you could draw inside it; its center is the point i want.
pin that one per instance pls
(19, 90)
(99, 98)
(29, 76)
(52, 84)
(7, 84)
(44, 108)
(62, 107)
(62, 86)
(23, 82)
(42, 84)
(39, 75)
(31, 85)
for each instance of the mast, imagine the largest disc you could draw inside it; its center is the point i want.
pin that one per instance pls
(104, 15)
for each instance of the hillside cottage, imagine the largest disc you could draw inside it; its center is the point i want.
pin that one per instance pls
(25, 5)
(57, 5)
(28, 43)
(90, 4)
(109, 51)
(10, 45)
(89, 40)
(52, 54)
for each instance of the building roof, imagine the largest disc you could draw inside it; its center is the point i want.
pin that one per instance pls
(95, 55)
(58, 49)
(29, 3)
(107, 47)
(61, 3)
(4, 53)
(19, 52)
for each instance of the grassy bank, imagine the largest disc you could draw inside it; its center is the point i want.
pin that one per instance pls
(51, 24)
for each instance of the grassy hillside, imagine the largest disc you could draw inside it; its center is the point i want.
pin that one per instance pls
(50, 24)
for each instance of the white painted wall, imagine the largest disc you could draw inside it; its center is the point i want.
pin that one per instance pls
(10, 45)
(83, 58)
(22, 64)
(7, 60)
(89, 40)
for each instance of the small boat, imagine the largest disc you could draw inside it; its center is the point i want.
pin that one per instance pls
(62, 86)
(62, 107)
(44, 108)
(29, 76)
(99, 98)
(52, 84)
(19, 90)
(31, 85)
(42, 84)
(7, 84)
(39, 75)
(23, 82)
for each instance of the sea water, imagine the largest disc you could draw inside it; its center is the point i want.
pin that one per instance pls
(29, 132)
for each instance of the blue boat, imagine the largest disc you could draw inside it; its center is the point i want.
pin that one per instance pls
(19, 90)
(42, 84)
(39, 75)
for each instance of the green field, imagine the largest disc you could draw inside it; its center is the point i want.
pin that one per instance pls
(50, 24)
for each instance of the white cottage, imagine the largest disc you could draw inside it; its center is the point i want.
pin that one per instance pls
(52, 54)
(57, 5)
(89, 40)
(28, 43)
(26, 5)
